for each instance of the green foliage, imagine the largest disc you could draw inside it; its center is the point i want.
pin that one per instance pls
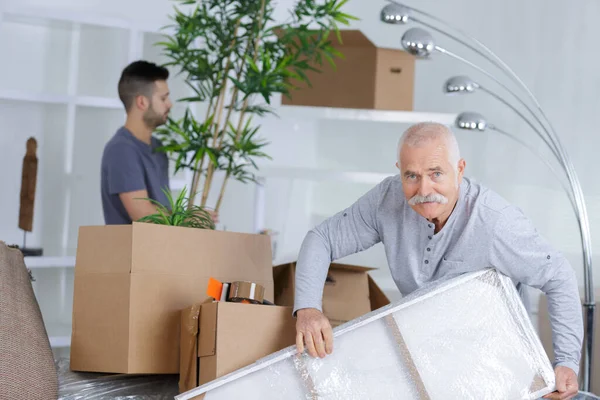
(234, 57)
(178, 213)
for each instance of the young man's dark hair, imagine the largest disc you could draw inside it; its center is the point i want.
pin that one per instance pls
(138, 79)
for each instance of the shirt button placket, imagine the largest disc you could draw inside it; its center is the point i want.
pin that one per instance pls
(424, 274)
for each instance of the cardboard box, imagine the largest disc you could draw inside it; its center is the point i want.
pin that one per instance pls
(545, 334)
(220, 337)
(367, 77)
(132, 281)
(349, 291)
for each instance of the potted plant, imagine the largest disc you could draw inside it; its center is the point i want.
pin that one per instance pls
(234, 57)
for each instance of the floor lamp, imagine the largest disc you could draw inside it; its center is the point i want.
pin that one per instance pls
(420, 43)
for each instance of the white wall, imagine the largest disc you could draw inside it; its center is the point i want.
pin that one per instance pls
(550, 46)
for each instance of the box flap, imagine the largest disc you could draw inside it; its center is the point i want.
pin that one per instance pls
(338, 266)
(349, 267)
(345, 295)
(376, 296)
(104, 249)
(188, 360)
(283, 278)
(208, 330)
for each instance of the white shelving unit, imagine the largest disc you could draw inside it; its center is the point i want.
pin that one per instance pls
(49, 262)
(62, 90)
(348, 114)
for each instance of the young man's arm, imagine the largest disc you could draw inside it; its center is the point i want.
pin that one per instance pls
(137, 208)
(126, 178)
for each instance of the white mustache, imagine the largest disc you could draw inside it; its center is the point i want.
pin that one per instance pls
(432, 198)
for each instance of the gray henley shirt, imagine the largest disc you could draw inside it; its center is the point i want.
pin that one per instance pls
(483, 231)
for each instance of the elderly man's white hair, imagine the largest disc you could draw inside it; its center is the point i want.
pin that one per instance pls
(424, 132)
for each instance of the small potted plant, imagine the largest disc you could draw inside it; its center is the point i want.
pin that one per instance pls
(178, 213)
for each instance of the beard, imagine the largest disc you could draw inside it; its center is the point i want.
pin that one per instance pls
(152, 119)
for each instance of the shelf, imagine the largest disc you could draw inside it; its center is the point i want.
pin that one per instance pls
(102, 53)
(60, 341)
(12, 13)
(308, 174)
(50, 262)
(59, 334)
(44, 98)
(320, 175)
(36, 49)
(32, 97)
(408, 117)
(291, 112)
(99, 102)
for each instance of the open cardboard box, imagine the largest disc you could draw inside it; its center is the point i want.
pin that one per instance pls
(220, 337)
(349, 291)
(132, 281)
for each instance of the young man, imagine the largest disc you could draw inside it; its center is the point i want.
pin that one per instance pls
(131, 168)
(433, 222)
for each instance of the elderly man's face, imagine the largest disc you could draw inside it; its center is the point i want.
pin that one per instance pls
(430, 182)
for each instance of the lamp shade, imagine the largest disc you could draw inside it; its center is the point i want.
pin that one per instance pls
(394, 14)
(471, 121)
(460, 84)
(418, 42)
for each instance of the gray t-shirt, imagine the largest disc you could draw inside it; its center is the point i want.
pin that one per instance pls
(483, 231)
(129, 164)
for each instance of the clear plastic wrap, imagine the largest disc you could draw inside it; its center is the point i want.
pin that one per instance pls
(96, 386)
(468, 337)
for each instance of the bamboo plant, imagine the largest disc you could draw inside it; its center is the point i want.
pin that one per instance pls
(235, 58)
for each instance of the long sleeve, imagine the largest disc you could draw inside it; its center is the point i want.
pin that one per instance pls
(349, 231)
(520, 252)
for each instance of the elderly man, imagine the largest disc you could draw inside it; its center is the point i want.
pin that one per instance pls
(435, 223)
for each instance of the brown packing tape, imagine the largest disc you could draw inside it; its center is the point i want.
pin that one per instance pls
(250, 291)
(405, 353)
(189, 326)
(306, 378)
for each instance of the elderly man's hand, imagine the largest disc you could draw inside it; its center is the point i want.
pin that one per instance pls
(566, 384)
(313, 330)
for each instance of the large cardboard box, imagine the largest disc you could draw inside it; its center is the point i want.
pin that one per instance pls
(349, 291)
(368, 77)
(220, 337)
(132, 281)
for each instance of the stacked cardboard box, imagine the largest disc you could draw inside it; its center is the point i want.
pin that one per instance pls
(140, 303)
(132, 281)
